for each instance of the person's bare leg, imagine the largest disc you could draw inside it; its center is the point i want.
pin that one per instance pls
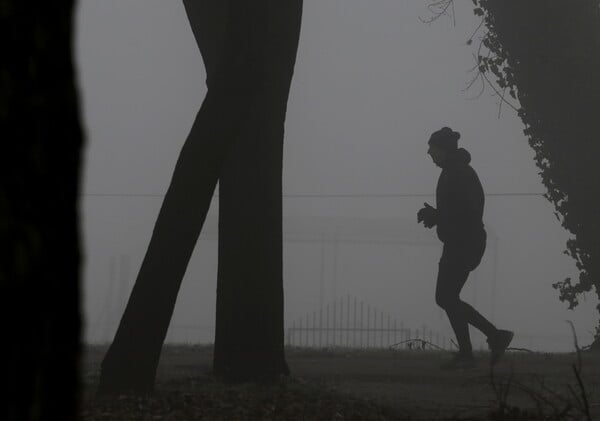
(451, 279)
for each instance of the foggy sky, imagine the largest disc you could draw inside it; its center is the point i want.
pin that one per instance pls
(371, 84)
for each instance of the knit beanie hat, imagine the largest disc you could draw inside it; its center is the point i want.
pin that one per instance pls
(445, 139)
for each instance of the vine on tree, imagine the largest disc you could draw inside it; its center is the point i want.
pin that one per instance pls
(546, 55)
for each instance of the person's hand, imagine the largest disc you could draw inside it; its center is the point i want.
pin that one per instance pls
(427, 215)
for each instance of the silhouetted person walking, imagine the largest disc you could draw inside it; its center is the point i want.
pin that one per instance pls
(458, 220)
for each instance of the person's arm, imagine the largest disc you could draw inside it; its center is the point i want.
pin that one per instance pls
(428, 215)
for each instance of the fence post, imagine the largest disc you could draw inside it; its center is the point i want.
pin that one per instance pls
(314, 330)
(381, 330)
(368, 323)
(341, 324)
(354, 331)
(348, 322)
(402, 334)
(306, 331)
(327, 326)
(321, 327)
(334, 320)
(361, 322)
(388, 331)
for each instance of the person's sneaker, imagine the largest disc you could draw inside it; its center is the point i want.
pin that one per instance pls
(459, 362)
(498, 344)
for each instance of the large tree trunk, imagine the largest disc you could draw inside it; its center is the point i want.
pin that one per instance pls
(40, 155)
(230, 35)
(249, 342)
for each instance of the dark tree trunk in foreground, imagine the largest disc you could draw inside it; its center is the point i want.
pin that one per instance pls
(40, 153)
(249, 52)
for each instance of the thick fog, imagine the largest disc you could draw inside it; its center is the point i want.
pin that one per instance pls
(372, 82)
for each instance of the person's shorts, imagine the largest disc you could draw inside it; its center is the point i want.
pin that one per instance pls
(466, 254)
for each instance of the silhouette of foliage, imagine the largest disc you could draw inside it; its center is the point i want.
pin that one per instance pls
(546, 55)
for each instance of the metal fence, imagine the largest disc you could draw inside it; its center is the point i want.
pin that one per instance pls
(348, 322)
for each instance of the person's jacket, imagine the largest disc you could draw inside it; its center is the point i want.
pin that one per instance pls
(459, 201)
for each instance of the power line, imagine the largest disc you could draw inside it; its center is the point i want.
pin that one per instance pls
(328, 196)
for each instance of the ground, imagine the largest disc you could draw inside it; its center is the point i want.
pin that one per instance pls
(338, 384)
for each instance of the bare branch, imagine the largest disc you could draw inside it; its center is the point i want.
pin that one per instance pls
(470, 39)
(586, 405)
(521, 349)
(422, 342)
(501, 102)
(576, 343)
(439, 9)
(498, 93)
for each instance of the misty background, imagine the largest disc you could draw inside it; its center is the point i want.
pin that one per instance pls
(372, 82)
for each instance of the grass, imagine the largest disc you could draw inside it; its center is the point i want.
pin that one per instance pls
(350, 384)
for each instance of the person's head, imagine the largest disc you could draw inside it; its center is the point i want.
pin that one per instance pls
(442, 143)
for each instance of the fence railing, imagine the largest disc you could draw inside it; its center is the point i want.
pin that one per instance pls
(348, 322)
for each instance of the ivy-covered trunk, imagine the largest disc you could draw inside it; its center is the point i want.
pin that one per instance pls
(40, 147)
(547, 53)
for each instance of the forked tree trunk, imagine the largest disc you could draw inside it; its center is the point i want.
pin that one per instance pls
(249, 59)
(40, 149)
